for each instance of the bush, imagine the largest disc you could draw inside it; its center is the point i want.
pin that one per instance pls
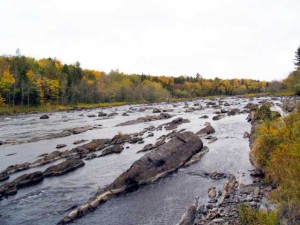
(276, 151)
(249, 216)
(263, 113)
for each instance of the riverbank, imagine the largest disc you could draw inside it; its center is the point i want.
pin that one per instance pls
(276, 154)
(10, 110)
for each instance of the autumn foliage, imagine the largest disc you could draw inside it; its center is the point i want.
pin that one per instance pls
(277, 152)
(26, 81)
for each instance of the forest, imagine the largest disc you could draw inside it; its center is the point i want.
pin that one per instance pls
(25, 81)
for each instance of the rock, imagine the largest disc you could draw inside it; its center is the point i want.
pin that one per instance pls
(196, 157)
(233, 112)
(17, 168)
(112, 114)
(249, 198)
(11, 154)
(204, 117)
(189, 216)
(161, 116)
(256, 173)
(226, 104)
(101, 114)
(150, 134)
(217, 117)
(44, 117)
(146, 148)
(205, 131)
(112, 150)
(224, 110)
(25, 180)
(212, 193)
(125, 114)
(211, 103)
(212, 139)
(149, 168)
(175, 123)
(8, 189)
(207, 124)
(4, 176)
(120, 139)
(256, 192)
(79, 141)
(60, 146)
(136, 140)
(91, 115)
(156, 110)
(91, 156)
(29, 179)
(246, 134)
(63, 168)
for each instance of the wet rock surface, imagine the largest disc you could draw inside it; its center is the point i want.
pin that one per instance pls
(206, 131)
(25, 180)
(63, 168)
(149, 168)
(112, 150)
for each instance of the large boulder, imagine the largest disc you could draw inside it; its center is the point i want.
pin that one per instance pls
(64, 167)
(149, 168)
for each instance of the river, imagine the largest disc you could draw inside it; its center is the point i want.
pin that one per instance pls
(160, 203)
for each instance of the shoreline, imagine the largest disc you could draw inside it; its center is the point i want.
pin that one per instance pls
(48, 108)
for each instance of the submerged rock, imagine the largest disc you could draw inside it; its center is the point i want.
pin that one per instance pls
(152, 166)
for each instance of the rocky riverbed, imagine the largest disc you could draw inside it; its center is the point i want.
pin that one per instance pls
(152, 159)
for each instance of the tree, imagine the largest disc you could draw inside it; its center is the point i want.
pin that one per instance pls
(6, 81)
(297, 57)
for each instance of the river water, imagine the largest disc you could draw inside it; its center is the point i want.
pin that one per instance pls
(160, 203)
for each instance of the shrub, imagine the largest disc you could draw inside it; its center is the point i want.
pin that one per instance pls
(249, 216)
(276, 151)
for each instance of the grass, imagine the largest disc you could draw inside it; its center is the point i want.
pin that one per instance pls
(250, 216)
(276, 151)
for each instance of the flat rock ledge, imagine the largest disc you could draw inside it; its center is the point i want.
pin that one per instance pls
(154, 165)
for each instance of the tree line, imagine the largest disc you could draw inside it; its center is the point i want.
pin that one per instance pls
(27, 81)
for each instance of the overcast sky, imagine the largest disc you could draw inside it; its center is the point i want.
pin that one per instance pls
(224, 38)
